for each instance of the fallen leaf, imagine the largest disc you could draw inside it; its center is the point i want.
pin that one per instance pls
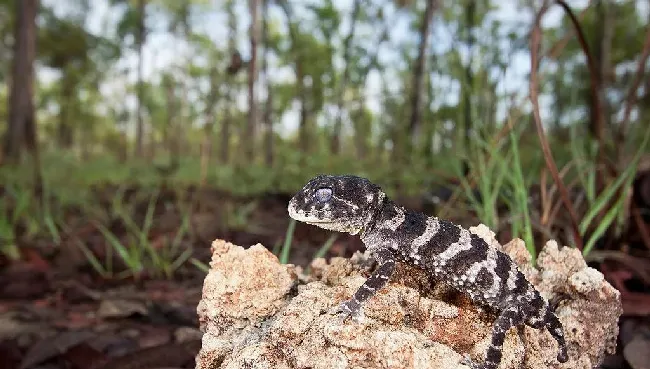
(173, 354)
(120, 308)
(10, 354)
(84, 356)
(50, 347)
(637, 352)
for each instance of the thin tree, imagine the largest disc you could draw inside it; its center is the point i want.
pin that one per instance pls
(301, 91)
(470, 20)
(227, 119)
(208, 128)
(140, 39)
(21, 132)
(336, 135)
(602, 55)
(252, 78)
(418, 72)
(268, 108)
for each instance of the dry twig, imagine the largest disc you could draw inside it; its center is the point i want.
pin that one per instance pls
(535, 41)
(631, 96)
(555, 50)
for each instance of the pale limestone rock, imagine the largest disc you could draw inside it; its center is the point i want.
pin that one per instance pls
(257, 313)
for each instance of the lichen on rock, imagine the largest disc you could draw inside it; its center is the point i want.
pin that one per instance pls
(258, 313)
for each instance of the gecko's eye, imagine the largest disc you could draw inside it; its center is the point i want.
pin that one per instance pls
(323, 194)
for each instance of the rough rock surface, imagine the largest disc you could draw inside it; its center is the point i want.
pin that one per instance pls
(257, 313)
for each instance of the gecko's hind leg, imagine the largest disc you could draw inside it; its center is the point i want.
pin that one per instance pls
(510, 317)
(555, 329)
(546, 318)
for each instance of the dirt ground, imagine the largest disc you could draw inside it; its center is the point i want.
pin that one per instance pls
(57, 312)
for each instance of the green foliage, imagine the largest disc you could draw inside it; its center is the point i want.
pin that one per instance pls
(489, 167)
(612, 196)
(91, 93)
(7, 18)
(521, 224)
(497, 170)
(20, 209)
(14, 207)
(138, 252)
(286, 247)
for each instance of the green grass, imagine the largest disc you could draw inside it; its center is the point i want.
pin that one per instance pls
(14, 208)
(496, 171)
(612, 196)
(286, 247)
(488, 167)
(501, 170)
(521, 226)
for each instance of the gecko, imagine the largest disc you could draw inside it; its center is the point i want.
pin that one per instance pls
(446, 251)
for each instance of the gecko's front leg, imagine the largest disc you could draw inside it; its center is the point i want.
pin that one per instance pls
(377, 280)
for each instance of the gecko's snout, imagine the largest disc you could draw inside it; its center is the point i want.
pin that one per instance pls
(295, 210)
(291, 208)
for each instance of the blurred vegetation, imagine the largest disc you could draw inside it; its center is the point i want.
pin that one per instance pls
(254, 98)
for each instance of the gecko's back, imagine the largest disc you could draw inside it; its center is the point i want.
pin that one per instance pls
(451, 254)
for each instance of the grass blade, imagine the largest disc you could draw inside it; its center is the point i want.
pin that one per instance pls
(604, 198)
(200, 265)
(286, 248)
(604, 225)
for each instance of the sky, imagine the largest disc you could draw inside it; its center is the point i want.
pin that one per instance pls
(162, 49)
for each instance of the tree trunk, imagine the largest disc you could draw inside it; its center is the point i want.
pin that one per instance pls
(170, 99)
(362, 128)
(336, 135)
(179, 139)
(227, 120)
(469, 75)
(139, 128)
(303, 120)
(431, 125)
(418, 73)
(361, 132)
(206, 145)
(602, 55)
(65, 130)
(224, 154)
(268, 108)
(150, 147)
(303, 134)
(21, 131)
(252, 78)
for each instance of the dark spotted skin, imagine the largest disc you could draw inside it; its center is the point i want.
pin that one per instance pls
(446, 251)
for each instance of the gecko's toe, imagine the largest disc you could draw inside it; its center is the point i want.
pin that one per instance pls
(466, 360)
(349, 309)
(341, 318)
(358, 317)
(562, 356)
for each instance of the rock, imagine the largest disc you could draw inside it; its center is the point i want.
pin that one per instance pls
(258, 313)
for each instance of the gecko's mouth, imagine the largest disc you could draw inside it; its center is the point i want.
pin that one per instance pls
(302, 217)
(308, 219)
(321, 221)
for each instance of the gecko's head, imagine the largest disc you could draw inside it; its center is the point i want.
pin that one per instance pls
(339, 203)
